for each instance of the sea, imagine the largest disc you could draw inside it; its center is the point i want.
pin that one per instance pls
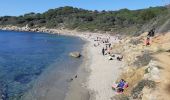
(29, 59)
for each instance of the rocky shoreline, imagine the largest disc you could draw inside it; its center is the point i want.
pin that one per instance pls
(59, 31)
(27, 29)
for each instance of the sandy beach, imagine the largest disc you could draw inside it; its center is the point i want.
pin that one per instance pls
(102, 72)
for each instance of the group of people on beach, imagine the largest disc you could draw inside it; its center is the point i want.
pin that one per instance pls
(107, 49)
(105, 42)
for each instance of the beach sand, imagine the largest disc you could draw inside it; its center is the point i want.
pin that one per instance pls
(103, 74)
(95, 85)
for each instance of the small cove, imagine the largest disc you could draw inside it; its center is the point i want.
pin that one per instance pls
(28, 59)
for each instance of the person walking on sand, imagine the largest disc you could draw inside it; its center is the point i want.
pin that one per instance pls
(103, 51)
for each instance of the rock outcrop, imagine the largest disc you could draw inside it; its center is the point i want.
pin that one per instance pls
(152, 72)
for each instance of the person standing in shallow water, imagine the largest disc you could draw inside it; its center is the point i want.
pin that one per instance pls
(103, 51)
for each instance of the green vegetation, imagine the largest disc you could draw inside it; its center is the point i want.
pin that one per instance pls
(122, 21)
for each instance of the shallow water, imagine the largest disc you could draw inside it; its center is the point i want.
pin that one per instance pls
(25, 56)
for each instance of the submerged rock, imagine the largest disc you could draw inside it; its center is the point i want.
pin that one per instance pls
(75, 54)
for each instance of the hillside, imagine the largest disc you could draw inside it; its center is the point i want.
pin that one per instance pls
(122, 21)
(147, 67)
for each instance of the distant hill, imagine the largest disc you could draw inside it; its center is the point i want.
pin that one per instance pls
(123, 21)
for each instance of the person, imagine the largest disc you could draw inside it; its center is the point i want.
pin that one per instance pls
(109, 45)
(126, 85)
(147, 41)
(151, 33)
(103, 51)
(94, 45)
(119, 58)
(106, 47)
(109, 51)
(121, 85)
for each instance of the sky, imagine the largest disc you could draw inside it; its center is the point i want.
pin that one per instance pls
(20, 7)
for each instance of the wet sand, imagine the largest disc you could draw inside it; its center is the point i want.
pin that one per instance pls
(78, 88)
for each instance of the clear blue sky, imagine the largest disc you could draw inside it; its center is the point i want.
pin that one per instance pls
(19, 7)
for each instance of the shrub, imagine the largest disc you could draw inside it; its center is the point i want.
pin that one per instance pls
(136, 91)
(31, 24)
(120, 97)
(142, 60)
(146, 71)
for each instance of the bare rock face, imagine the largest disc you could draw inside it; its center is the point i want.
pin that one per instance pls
(153, 72)
(75, 54)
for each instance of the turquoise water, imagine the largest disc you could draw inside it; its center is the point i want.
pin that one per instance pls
(24, 56)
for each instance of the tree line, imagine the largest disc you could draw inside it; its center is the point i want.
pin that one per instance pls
(81, 19)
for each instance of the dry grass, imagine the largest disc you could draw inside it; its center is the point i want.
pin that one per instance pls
(168, 88)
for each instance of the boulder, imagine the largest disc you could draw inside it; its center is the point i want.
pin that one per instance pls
(75, 54)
